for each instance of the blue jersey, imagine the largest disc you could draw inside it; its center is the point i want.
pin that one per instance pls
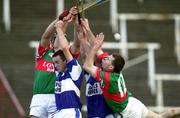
(96, 104)
(67, 86)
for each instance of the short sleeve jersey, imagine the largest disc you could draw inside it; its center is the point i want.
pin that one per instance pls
(44, 72)
(67, 86)
(114, 89)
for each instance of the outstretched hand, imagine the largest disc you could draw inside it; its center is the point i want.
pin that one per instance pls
(98, 41)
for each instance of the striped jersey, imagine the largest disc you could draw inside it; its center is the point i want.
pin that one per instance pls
(114, 89)
(67, 86)
(44, 72)
(96, 104)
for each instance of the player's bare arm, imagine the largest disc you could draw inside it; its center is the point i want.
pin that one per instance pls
(90, 34)
(82, 37)
(46, 37)
(48, 33)
(89, 61)
(63, 43)
(75, 47)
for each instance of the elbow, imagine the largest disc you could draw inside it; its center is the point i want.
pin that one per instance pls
(87, 67)
(46, 36)
(84, 66)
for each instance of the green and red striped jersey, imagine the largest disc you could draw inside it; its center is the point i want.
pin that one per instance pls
(44, 72)
(114, 89)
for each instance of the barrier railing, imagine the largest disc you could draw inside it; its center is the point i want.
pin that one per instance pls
(9, 104)
(116, 17)
(159, 78)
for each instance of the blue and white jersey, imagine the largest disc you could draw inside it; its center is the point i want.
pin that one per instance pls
(96, 104)
(67, 86)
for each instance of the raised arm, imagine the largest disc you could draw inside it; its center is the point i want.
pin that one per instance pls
(48, 33)
(82, 37)
(90, 34)
(89, 61)
(63, 43)
(75, 47)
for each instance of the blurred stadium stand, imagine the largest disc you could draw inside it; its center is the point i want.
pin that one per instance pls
(29, 18)
(8, 100)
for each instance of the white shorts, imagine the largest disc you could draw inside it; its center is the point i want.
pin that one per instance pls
(68, 113)
(43, 106)
(135, 109)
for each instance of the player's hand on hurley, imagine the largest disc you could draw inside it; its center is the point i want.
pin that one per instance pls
(73, 11)
(71, 15)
